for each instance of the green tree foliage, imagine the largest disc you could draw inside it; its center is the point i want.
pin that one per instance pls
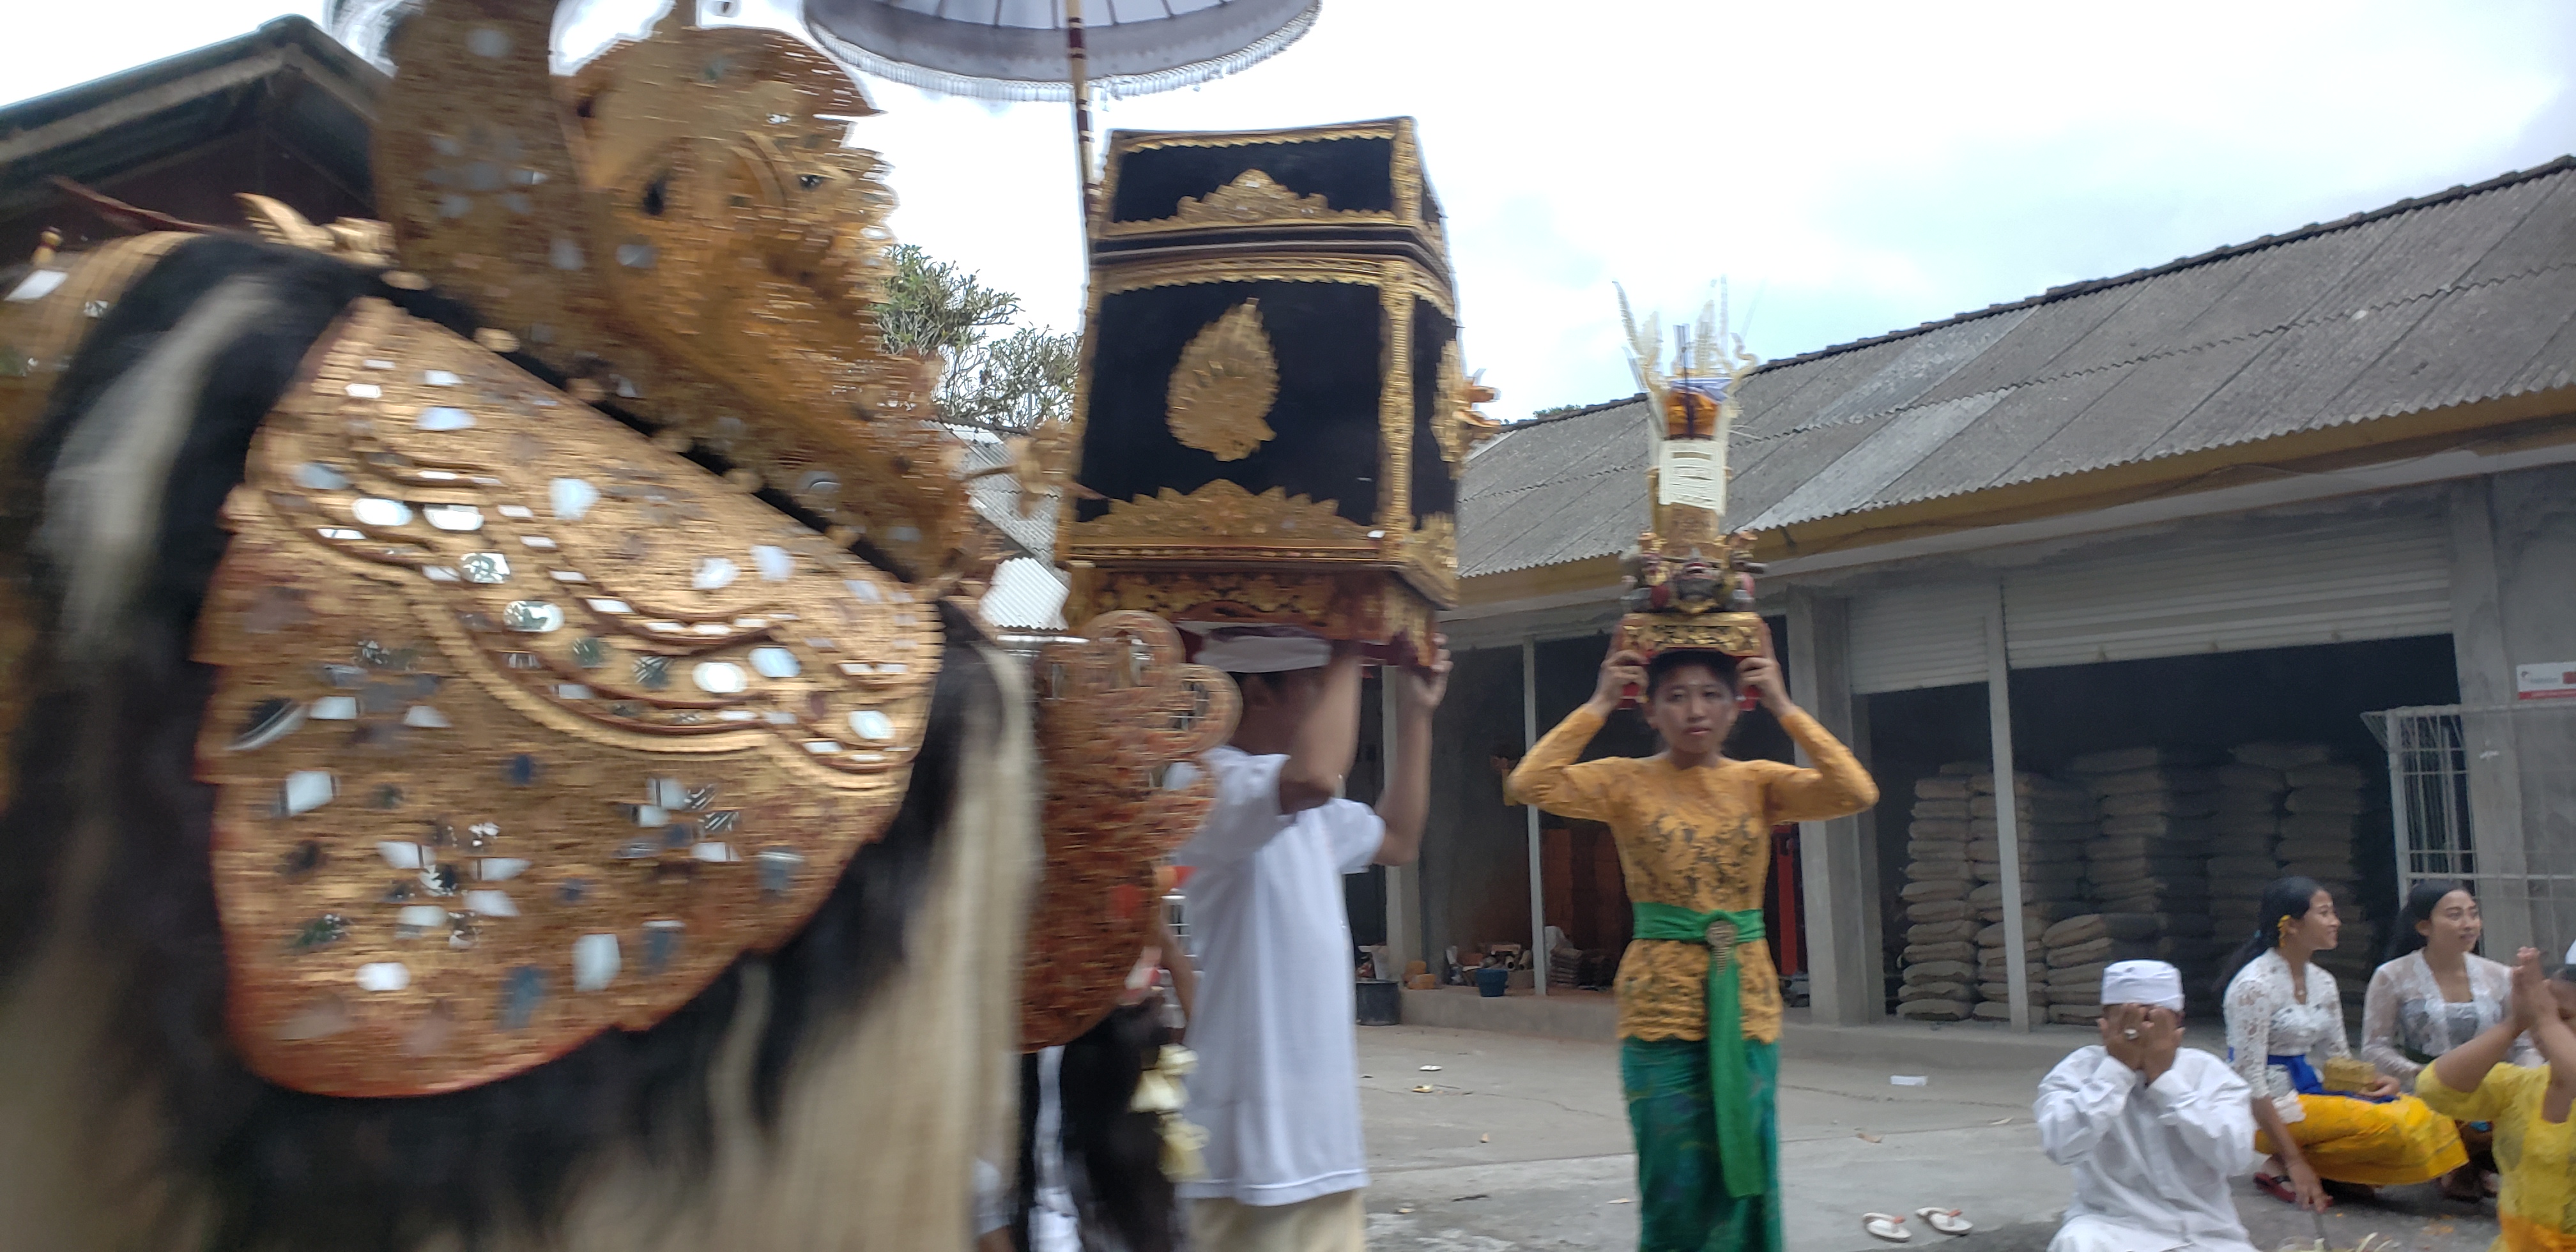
(1000, 377)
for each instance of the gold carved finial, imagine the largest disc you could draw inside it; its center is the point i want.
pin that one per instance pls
(1253, 196)
(45, 245)
(1224, 386)
(356, 240)
(1458, 426)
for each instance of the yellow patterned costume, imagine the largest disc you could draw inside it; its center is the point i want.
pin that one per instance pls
(2537, 1157)
(1700, 839)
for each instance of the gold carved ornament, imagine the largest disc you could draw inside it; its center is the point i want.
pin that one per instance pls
(1411, 195)
(524, 729)
(1735, 634)
(1431, 557)
(680, 230)
(1117, 709)
(1252, 199)
(359, 241)
(1222, 519)
(1360, 605)
(1455, 423)
(1224, 385)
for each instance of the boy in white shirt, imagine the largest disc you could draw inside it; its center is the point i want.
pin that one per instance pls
(1277, 1086)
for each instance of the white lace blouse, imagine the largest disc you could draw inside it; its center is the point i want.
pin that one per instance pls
(2405, 1013)
(2265, 1018)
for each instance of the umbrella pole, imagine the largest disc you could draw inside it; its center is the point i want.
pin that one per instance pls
(1078, 60)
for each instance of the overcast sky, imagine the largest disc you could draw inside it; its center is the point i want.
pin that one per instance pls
(1851, 167)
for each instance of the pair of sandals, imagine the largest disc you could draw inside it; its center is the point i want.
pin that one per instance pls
(1892, 1229)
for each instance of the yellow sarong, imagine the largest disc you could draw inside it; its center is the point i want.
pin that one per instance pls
(2375, 1145)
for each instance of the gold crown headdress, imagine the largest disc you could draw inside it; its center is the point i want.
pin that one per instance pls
(1689, 584)
(679, 230)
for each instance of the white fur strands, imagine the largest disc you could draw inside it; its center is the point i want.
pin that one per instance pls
(103, 507)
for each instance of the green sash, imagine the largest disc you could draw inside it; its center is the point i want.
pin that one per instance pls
(1739, 1150)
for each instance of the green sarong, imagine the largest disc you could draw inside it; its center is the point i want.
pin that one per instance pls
(1682, 1204)
(1723, 931)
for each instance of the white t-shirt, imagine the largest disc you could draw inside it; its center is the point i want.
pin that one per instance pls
(1277, 1086)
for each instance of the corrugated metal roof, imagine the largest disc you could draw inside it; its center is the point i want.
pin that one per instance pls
(996, 498)
(1556, 489)
(1026, 594)
(2463, 296)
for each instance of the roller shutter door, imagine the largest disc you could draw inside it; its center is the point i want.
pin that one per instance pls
(1933, 636)
(2369, 578)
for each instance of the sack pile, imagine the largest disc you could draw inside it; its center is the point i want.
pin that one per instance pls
(2246, 826)
(2055, 822)
(2330, 808)
(2159, 807)
(1938, 965)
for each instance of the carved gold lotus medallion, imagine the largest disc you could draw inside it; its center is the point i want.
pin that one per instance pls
(1224, 386)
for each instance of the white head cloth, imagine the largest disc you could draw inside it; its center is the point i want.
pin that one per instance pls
(2571, 954)
(1267, 652)
(2152, 983)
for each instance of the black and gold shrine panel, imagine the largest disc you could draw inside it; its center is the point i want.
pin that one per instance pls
(1357, 187)
(1307, 418)
(1271, 388)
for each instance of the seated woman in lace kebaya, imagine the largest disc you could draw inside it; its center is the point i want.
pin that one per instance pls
(2434, 994)
(2283, 1015)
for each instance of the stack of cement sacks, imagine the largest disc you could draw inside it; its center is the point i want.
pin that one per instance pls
(1939, 962)
(2324, 817)
(2291, 808)
(2246, 825)
(2055, 822)
(2147, 872)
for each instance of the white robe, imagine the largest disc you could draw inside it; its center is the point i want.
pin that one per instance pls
(2151, 1160)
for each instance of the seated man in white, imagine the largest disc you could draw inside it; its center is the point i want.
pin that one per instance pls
(2151, 1129)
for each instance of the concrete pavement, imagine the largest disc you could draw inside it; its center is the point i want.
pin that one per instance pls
(1522, 1143)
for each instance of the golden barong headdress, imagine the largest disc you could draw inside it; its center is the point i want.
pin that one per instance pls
(679, 230)
(1689, 585)
(526, 725)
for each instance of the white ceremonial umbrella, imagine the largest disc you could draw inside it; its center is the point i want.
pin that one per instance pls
(1056, 49)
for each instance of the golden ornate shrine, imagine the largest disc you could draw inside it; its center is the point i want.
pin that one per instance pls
(1272, 409)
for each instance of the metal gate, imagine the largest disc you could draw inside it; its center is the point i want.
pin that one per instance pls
(2487, 796)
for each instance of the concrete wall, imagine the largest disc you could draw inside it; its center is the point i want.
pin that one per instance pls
(1839, 858)
(2514, 603)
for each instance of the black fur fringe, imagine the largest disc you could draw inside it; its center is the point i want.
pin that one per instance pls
(1112, 1154)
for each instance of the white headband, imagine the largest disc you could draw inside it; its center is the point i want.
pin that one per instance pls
(2152, 983)
(1265, 653)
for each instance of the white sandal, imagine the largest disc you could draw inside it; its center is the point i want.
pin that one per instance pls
(1947, 1221)
(1886, 1226)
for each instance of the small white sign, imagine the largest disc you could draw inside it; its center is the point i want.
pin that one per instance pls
(2549, 680)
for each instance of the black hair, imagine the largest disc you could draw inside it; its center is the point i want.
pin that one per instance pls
(1113, 1154)
(2284, 899)
(288, 1171)
(1667, 664)
(2420, 903)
